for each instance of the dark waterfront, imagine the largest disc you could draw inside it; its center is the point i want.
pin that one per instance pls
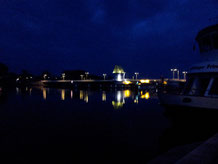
(41, 125)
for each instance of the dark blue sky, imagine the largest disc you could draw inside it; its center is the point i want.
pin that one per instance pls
(149, 36)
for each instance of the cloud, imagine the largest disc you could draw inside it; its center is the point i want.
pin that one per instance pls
(101, 31)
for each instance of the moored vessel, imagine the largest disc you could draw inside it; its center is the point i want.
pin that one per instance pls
(201, 88)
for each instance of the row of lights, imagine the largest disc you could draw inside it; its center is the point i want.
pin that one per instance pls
(136, 74)
(176, 70)
(45, 76)
(82, 76)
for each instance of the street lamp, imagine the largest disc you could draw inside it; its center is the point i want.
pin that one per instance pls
(104, 75)
(44, 76)
(63, 76)
(173, 70)
(86, 75)
(81, 77)
(136, 75)
(184, 72)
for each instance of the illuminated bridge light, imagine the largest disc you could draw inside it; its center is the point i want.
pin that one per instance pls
(147, 81)
(126, 82)
(118, 69)
(119, 73)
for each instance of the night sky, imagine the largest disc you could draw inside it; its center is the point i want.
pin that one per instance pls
(149, 36)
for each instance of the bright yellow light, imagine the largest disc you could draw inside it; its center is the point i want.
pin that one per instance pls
(127, 93)
(127, 82)
(145, 81)
(118, 69)
(145, 96)
(165, 82)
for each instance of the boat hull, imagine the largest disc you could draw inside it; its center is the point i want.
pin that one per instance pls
(171, 100)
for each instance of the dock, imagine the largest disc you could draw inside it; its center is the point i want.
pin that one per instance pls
(101, 83)
(197, 153)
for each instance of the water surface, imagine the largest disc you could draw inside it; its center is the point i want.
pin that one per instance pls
(80, 126)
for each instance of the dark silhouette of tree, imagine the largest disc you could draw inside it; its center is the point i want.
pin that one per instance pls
(3, 69)
(74, 74)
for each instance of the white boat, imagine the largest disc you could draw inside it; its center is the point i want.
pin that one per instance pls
(201, 88)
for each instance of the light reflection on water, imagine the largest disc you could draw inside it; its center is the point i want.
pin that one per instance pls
(119, 97)
(140, 131)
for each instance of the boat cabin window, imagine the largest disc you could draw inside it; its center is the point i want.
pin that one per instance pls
(205, 44)
(214, 88)
(208, 42)
(199, 86)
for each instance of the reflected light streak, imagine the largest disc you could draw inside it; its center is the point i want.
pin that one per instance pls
(71, 94)
(81, 95)
(63, 94)
(17, 90)
(86, 98)
(44, 93)
(117, 105)
(145, 96)
(119, 96)
(127, 93)
(136, 101)
(104, 96)
(30, 91)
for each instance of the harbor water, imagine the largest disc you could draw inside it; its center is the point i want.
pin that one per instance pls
(39, 125)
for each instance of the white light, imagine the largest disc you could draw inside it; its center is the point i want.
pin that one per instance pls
(119, 77)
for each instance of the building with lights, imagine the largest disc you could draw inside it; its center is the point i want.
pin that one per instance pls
(118, 72)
